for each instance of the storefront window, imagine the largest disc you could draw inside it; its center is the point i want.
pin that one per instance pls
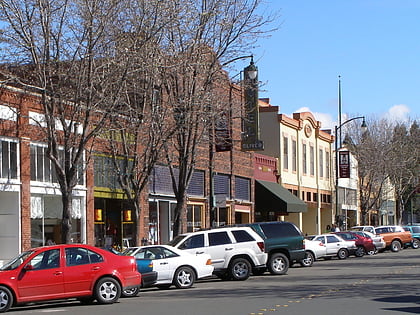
(46, 219)
(194, 218)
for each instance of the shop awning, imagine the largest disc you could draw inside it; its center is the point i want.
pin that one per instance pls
(271, 196)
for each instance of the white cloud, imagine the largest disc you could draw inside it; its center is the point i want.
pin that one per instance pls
(398, 113)
(327, 122)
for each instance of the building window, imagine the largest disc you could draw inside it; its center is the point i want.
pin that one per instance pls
(308, 196)
(285, 153)
(321, 163)
(304, 159)
(43, 170)
(315, 197)
(242, 188)
(221, 185)
(312, 159)
(194, 218)
(327, 164)
(8, 159)
(294, 155)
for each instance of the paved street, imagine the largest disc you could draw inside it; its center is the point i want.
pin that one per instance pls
(386, 283)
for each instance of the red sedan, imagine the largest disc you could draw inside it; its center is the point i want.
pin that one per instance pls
(364, 244)
(66, 271)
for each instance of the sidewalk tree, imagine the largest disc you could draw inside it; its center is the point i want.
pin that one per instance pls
(204, 35)
(65, 52)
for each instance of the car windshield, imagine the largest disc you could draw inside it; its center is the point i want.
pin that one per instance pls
(176, 240)
(129, 251)
(17, 261)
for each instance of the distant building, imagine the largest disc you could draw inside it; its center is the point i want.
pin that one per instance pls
(305, 160)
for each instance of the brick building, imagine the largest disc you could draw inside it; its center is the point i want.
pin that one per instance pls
(221, 191)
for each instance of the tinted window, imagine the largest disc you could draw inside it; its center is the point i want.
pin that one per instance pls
(194, 241)
(219, 238)
(80, 256)
(347, 236)
(242, 236)
(416, 229)
(332, 239)
(279, 230)
(46, 260)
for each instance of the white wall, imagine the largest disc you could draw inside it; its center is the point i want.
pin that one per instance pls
(9, 225)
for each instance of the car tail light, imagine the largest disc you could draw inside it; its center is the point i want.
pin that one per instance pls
(321, 244)
(261, 246)
(151, 264)
(208, 262)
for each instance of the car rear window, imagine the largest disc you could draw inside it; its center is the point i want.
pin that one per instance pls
(219, 238)
(194, 241)
(416, 229)
(279, 230)
(242, 236)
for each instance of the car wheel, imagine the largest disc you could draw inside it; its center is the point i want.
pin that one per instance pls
(415, 243)
(308, 261)
(360, 251)
(107, 291)
(342, 253)
(278, 264)
(240, 269)
(372, 252)
(184, 277)
(6, 299)
(395, 246)
(131, 292)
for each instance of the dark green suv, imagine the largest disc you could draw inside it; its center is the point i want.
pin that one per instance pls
(283, 242)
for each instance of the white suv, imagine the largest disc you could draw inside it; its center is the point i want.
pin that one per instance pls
(234, 251)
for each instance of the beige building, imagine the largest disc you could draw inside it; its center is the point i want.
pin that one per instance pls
(305, 163)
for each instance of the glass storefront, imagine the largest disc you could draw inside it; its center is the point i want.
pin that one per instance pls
(46, 218)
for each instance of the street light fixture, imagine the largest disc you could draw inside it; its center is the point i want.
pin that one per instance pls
(363, 128)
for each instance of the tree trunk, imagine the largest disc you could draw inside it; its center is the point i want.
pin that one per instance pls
(66, 221)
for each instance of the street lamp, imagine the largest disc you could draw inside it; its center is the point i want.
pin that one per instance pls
(363, 128)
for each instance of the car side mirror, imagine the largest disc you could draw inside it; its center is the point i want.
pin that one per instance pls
(28, 267)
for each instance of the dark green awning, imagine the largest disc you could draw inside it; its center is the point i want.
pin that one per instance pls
(271, 196)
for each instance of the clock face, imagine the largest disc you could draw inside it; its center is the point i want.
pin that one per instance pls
(308, 131)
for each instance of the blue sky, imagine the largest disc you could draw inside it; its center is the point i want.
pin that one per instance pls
(374, 45)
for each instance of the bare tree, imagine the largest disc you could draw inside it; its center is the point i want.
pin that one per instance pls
(371, 149)
(388, 163)
(205, 34)
(404, 166)
(66, 51)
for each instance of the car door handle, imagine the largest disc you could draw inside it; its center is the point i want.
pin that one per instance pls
(96, 268)
(199, 253)
(228, 248)
(58, 273)
(163, 263)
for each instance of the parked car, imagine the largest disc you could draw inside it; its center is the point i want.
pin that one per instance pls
(173, 266)
(283, 242)
(66, 271)
(378, 241)
(234, 251)
(314, 250)
(145, 267)
(363, 228)
(363, 243)
(415, 233)
(335, 246)
(394, 236)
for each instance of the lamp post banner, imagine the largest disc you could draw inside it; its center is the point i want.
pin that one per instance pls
(344, 164)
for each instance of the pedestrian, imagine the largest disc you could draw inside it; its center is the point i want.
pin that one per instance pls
(335, 228)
